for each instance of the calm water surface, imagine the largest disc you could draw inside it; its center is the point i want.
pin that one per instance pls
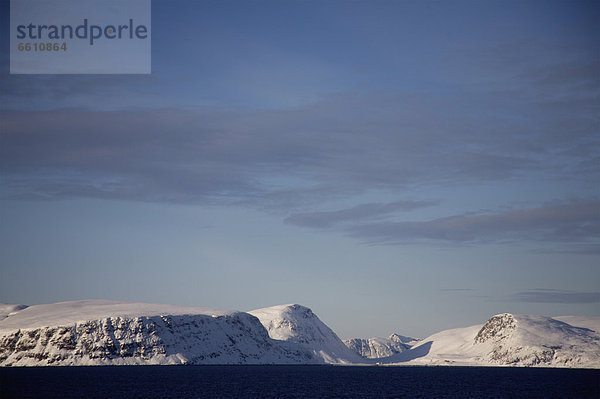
(296, 382)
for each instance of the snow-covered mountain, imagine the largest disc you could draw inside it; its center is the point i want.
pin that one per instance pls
(298, 325)
(375, 348)
(108, 332)
(509, 339)
(98, 332)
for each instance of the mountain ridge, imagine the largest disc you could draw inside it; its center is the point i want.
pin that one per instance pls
(100, 332)
(509, 339)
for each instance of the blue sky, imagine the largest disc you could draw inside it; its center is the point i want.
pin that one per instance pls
(397, 166)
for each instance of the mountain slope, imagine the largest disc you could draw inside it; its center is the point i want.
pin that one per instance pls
(108, 332)
(592, 323)
(507, 339)
(9, 310)
(298, 325)
(376, 348)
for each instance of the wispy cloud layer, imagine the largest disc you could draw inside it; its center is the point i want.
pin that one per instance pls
(556, 296)
(344, 144)
(355, 214)
(572, 222)
(457, 289)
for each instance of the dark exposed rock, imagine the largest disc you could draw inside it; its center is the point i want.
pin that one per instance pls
(497, 328)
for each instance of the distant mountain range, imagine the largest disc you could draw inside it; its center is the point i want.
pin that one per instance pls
(377, 348)
(99, 332)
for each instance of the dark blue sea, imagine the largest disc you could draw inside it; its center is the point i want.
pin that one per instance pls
(296, 382)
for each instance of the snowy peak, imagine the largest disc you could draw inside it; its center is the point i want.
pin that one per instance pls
(294, 323)
(401, 339)
(297, 324)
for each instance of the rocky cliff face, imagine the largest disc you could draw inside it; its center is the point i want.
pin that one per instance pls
(196, 339)
(378, 348)
(497, 328)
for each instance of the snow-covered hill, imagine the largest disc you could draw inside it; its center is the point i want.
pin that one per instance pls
(507, 339)
(111, 333)
(108, 332)
(298, 325)
(592, 323)
(376, 348)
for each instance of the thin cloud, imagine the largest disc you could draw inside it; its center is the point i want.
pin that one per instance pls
(62, 91)
(457, 290)
(556, 296)
(309, 154)
(354, 214)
